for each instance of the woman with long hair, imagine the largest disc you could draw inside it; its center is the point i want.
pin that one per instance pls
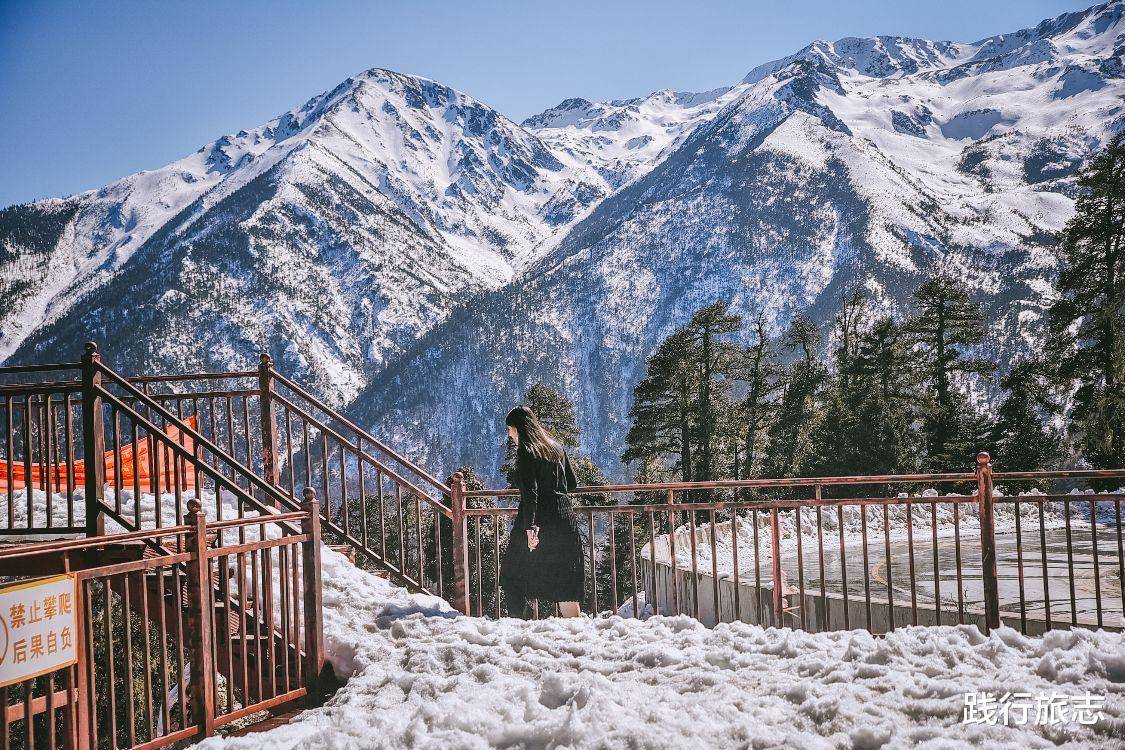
(543, 559)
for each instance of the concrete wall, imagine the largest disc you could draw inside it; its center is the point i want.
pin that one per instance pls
(679, 591)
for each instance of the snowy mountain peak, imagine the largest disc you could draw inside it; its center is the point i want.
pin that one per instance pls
(1094, 31)
(622, 138)
(344, 227)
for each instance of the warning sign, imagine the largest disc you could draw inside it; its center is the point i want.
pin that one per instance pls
(38, 631)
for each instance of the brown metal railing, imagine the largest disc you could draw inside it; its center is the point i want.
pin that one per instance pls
(819, 553)
(826, 553)
(172, 645)
(40, 437)
(235, 440)
(388, 509)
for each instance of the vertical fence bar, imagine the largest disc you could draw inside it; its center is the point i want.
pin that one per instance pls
(202, 684)
(824, 624)
(460, 544)
(29, 461)
(93, 439)
(269, 431)
(86, 706)
(775, 552)
(9, 431)
(988, 541)
(314, 630)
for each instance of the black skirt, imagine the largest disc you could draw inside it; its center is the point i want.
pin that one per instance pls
(555, 571)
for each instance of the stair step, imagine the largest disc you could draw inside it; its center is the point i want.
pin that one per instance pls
(272, 722)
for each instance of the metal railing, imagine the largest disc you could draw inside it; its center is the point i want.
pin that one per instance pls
(817, 553)
(393, 513)
(237, 441)
(827, 553)
(173, 644)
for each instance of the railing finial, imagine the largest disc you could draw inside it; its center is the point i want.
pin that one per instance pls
(265, 359)
(984, 458)
(194, 506)
(91, 347)
(309, 495)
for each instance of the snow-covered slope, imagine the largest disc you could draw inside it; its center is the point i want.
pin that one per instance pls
(333, 235)
(860, 162)
(623, 139)
(418, 675)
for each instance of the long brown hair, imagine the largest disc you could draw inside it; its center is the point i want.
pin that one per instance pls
(533, 438)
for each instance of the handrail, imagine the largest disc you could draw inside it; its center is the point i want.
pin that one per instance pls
(747, 483)
(278, 518)
(56, 384)
(187, 455)
(51, 386)
(196, 436)
(360, 431)
(361, 455)
(16, 369)
(69, 545)
(1063, 474)
(193, 376)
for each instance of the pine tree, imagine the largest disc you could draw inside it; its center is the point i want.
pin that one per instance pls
(802, 402)
(885, 394)
(1022, 436)
(762, 374)
(681, 409)
(555, 412)
(715, 360)
(838, 439)
(849, 321)
(1087, 323)
(946, 324)
(663, 412)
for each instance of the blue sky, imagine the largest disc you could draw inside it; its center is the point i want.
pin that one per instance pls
(93, 91)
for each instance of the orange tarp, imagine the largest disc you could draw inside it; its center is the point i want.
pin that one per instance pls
(133, 467)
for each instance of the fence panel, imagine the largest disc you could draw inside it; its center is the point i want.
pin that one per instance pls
(838, 552)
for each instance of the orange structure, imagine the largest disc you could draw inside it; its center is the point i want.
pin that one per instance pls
(134, 461)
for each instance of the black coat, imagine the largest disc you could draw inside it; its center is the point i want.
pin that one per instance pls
(555, 570)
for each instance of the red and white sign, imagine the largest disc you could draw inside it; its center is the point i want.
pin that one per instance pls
(38, 628)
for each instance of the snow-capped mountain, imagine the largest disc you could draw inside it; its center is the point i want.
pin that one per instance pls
(870, 162)
(622, 139)
(333, 235)
(397, 239)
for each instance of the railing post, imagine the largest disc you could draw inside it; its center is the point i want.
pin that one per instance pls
(269, 429)
(314, 618)
(460, 544)
(201, 690)
(988, 541)
(93, 440)
(775, 553)
(85, 704)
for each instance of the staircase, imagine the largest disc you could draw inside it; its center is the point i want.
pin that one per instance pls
(218, 450)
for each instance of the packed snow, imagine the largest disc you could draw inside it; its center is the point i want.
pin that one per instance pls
(171, 510)
(419, 675)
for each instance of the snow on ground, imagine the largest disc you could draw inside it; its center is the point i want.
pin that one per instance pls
(57, 515)
(421, 676)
